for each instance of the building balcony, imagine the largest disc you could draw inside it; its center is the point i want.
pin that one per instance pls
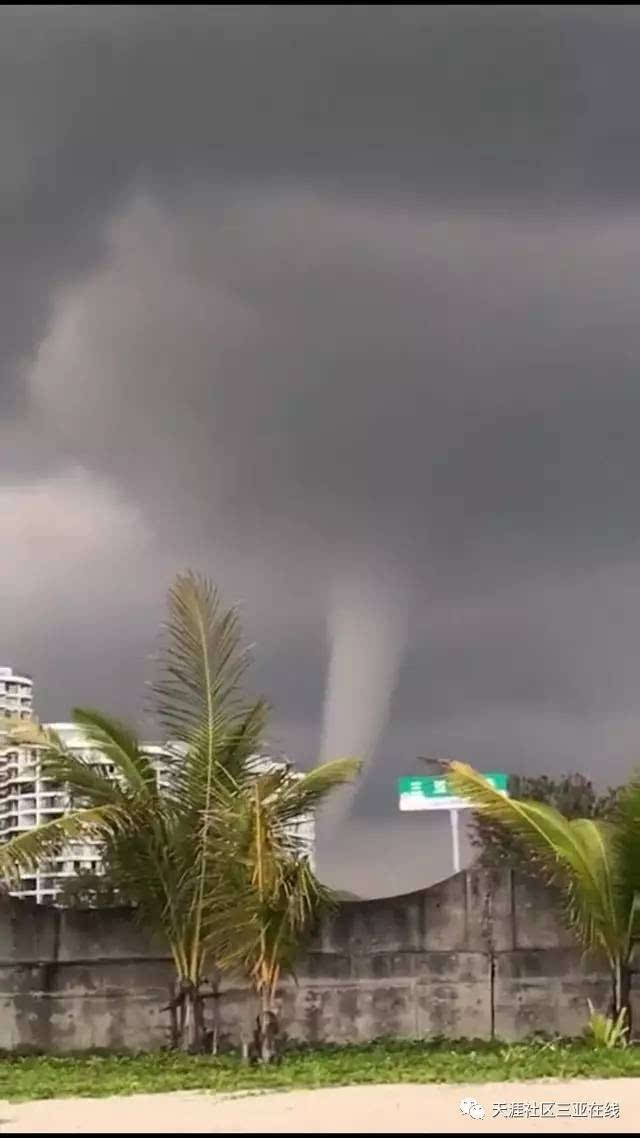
(51, 868)
(27, 884)
(17, 823)
(49, 883)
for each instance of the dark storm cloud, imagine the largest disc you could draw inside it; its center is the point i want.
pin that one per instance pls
(335, 303)
(444, 384)
(467, 105)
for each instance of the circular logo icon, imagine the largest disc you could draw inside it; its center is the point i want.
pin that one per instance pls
(466, 1104)
(472, 1107)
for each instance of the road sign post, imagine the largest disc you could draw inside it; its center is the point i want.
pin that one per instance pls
(455, 840)
(434, 792)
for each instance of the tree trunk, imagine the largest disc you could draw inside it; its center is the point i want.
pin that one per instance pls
(621, 996)
(267, 1029)
(187, 1017)
(172, 1008)
(192, 1033)
(625, 995)
(215, 1032)
(248, 1035)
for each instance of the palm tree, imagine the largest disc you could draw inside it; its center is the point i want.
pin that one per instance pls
(594, 863)
(169, 845)
(271, 895)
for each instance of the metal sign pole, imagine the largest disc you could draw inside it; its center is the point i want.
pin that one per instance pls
(455, 839)
(435, 793)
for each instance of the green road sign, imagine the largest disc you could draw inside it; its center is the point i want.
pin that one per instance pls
(434, 792)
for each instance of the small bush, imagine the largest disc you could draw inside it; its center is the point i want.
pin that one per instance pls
(605, 1031)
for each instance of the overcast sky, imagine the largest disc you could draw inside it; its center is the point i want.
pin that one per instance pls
(339, 306)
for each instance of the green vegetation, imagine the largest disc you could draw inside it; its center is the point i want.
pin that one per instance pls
(593, 862)
(605, 1031)
(33, 1076)
(210, 855)
(573, 795)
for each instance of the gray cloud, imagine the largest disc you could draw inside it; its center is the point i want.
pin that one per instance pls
(307, 297)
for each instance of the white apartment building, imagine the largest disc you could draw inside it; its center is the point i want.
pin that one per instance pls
(28, 799)
(16, 695)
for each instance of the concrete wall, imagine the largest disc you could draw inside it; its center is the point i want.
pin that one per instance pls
(481, 954)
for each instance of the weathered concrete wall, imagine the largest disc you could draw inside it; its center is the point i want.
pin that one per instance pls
(481, 954)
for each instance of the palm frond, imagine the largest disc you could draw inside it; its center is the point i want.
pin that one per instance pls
(118, 743)
(592, 905)
(578, 855)
(202, 661)
(268, 896)
(85, 782)
(30, 733)
(26, 850)
(626, 818)
(199, 701)
(300, 796)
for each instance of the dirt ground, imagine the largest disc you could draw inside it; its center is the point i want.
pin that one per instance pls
(405, 1109)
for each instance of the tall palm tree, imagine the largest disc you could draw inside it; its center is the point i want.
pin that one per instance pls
(595, 864)
(169, 845)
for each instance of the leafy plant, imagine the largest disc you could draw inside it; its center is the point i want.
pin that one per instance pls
(605, 1031)
(594, 863)
(270, 895)
(572, 795)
